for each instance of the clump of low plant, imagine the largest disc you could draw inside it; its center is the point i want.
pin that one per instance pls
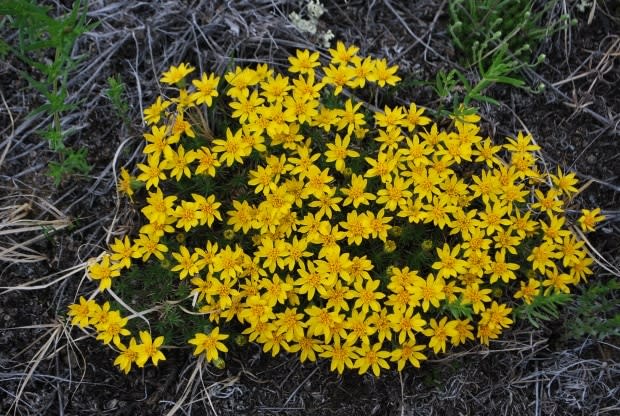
(279, 210)
(45, 45)
(116, 94)
(497, 40)
(595, 311)
(483, 29)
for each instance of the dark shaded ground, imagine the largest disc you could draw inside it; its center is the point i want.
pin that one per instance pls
(575, 121)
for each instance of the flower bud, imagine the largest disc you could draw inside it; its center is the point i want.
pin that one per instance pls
(389, 246)
(396, 231)
(427, 245)
(219, 363)
(241, 340)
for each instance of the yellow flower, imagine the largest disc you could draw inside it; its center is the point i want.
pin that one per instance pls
(542, 256)
(149, 349)
(404, 323)
(210, 344)
(310, 280)
(528, 291)
(152, 114)
(104, 271)
(206, 89)
(367, 296)
(327, 204)
(341, 355)
(148, 245)
(548, 203)
(389, 246)
(300, 108)
(122, 251)
(207, 209)
(496, 316)
(112, 328)
(307, 347)
(382, 74)
(472, 294)
(152, 172)
(246, 106)
(430, 291)
(383, 166)
(241, 216)
(589, 219)
(157, 141)
(339, 151)
(556, 281)
(227, 262)
(276, 290)
(494, 217)
(485, 152)
(179, 126)
(372, 357)
(99, 314)
(565, 182)
(343, 54)
(275, 89)
(188, 264)
(339, 77)
(439, 333)
(125, 183)
(127, 356)
(425, 183)
(395, 193)
(240, 80)
(233, 149)
(414, 117)
(175, 74)
(335, 265)
(463, 332)
(362, 68)
(349, 117)
(160, 207)
(408, 352)
(449, 265)
(521, 144)
(80, 313)
(303, 62)
(379, 225)
(178, 161)
(500, 269)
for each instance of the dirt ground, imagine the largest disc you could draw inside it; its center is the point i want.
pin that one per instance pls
(576, 121)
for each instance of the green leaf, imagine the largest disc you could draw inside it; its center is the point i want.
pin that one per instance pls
(543, 308)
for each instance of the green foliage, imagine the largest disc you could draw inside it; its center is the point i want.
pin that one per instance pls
(116, 94)
(459, 310)
(39, 37)
(455, 88)
(543, 308)
(496, 38)
(481, 29)
(596, 312)
(73, 162)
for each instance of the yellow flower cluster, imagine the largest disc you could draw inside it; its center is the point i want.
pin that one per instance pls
(110, 326)
(301, 234)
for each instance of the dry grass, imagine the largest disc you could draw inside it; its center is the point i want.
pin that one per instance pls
(20, 228)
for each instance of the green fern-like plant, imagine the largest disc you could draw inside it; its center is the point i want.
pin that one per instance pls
(596, 311)
(40, 35)
(543, 308)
